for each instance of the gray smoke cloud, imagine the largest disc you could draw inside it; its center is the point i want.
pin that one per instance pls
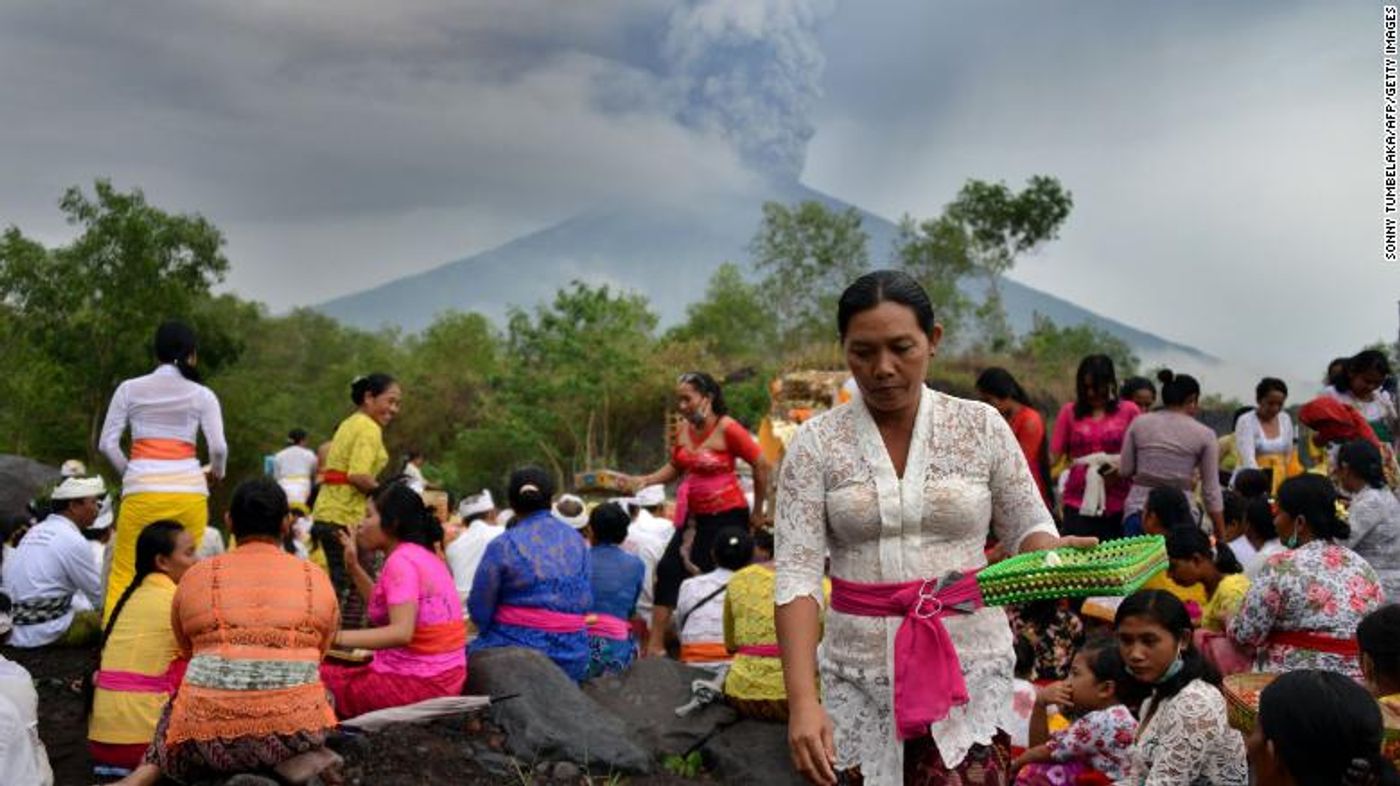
(752, 73)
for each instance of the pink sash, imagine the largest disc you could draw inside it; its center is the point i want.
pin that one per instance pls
(928, 678)
(539, 619)
(132, 682)
(760, 650)
(607, 626)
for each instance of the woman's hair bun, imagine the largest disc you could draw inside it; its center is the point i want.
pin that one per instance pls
(1165, 376)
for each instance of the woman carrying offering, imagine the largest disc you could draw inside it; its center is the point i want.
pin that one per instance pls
(419, 636)
(1184, 738)
(349, 475)
(704, 452)
(162, 479)
(140, 665)
(902, 486)
(1302, 609)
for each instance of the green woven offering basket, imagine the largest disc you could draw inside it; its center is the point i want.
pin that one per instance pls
(1118, 567)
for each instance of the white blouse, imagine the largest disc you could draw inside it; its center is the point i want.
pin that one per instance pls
(1250, 440)
(838, 490)
(1188, 742)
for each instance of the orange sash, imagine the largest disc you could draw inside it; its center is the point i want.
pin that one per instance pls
(439, 637)
(704, 652)
(162, 449)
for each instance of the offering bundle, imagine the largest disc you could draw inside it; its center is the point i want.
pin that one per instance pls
(1118, 567)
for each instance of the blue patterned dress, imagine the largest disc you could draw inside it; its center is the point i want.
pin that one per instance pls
(617, 583)
(539, 562)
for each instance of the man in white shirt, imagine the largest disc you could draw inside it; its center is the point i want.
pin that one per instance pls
(23, 759)
(294, 467)
(647, 538)
(53, 581)
(478, 514)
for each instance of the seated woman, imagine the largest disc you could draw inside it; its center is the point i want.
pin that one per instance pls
(255, 623)
(617, 583)
(1318, 727)
(140, 667)
(418, 634)
(700, 605)
(1374, 514)
(1183, 734)
(1194, 561)
(1302, 609)
(754, 684)
(532, 587)
(1165, 510)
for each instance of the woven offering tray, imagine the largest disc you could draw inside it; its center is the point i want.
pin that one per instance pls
(601, 481)
(1242, 698)
(350, 656)
(1118, 567)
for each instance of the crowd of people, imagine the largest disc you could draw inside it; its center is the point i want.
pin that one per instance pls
(846, 604)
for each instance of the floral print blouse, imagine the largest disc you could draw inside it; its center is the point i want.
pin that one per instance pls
(1320, 587)
(1102, 739)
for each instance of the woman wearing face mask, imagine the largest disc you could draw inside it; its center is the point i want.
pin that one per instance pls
(350, 474)
(902, 487)
(1302, 610)
(1264, 436)
(1318, 728)
(1184, 738)
(704, 453)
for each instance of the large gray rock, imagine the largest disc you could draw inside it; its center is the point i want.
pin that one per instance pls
(21, 479)
(551, 719)
(752, 751)
(646, 696)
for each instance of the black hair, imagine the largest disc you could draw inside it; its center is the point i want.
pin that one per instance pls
(370, 385)
(1095, 371)
(1170, 506)
(1232, 505)
(733, 548)
(1132, 385)
(175, 343)
(1269, 385)
(157, 539)
(1259, 518)
(763, 539)
(1025, 658)
(609, 523)
(1314, 498)
(999, 383)
(529, 491)
(1239, 413)
(1167, 610)
(1363, 458)
(1104, 658)
(884, 286)
(403, 515)
(1378, 635)
(1177, 389)
(258, 508)
(296, 436)
(1188, 542)
(1360, 363)
(1251, 483)
(1324, 727)
(708, 387)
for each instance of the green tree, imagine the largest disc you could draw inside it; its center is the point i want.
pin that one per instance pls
(1055, 351)
(935, 253)
(733, 321)
(808, 254)
(90, 307)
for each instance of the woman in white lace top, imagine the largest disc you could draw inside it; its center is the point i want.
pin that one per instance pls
(1184, 738)
(901, 487)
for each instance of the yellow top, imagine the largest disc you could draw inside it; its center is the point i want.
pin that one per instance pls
(748, 620)
(356, 449)
(1229, 594)
(142, 642)
(1162, 581)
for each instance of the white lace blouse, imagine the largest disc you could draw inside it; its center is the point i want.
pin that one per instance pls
(1188, 742)
(838, 491)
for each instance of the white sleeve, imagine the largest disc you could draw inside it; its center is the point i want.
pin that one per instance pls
(799, 528)
(211, 422)
(82, 569)
(110, 443)
(1244, 440)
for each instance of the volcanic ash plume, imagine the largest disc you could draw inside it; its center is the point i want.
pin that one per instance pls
(752, 71)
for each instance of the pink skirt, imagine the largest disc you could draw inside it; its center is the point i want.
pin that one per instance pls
(356, 690)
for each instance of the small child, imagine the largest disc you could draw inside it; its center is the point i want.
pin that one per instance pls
(1023, 695)
(1099, 740)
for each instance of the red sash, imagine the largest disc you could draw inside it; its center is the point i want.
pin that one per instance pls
(1317, 642)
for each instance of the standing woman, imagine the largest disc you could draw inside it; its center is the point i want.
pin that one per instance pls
(295, 468)
(350, 474)
(997, 387)
(162, 479)
(1264, 436)
(140, 667)
(1089, 432)
(704, 452)
(1169, 448)
(902, 487)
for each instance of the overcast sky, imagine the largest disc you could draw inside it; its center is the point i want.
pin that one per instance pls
(1225, 161)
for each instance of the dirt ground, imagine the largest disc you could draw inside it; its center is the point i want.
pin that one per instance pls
(441, 752)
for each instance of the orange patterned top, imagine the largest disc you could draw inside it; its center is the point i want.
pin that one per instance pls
(255, 623)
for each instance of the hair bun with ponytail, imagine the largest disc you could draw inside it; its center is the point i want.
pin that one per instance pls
(1165, 376)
